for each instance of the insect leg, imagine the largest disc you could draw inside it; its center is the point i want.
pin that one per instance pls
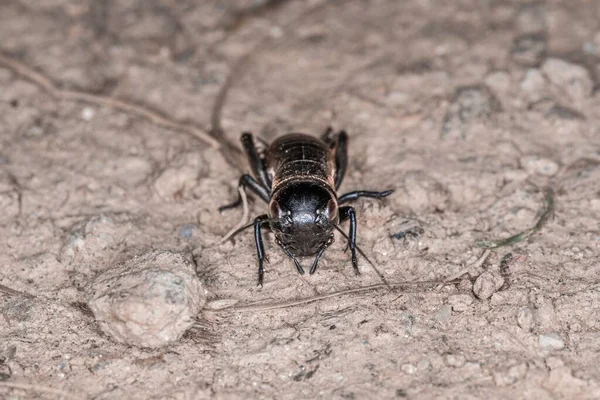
(363, 193)
(246, 181)
(329, 137)
(316, 262)
(260, 250)
(341, 158)
(348, 212)
(293, 257)
(256, 162)
(339, 142)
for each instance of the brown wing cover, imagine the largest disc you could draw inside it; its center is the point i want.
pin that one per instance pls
(300, 157)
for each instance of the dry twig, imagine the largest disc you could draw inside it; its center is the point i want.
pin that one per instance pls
(297, 302)
(121, 105)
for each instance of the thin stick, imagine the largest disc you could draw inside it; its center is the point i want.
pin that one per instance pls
(297, 302)
(40, 389)
(469, 268)
(74, 95)
(244, 219)
(549, 208)
(12, 292)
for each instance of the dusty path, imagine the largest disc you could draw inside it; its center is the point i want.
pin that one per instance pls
(473, 111)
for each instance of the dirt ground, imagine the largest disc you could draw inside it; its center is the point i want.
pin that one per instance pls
(484, 116)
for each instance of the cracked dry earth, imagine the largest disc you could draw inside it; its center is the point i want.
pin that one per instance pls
(477, 113)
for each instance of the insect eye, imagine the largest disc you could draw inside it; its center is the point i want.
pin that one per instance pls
(332, 209)
(275, 210)
(278, 213)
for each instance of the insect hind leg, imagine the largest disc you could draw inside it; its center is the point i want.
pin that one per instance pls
(260, 250)
(246, 181)
(338, 142)
(257, 163)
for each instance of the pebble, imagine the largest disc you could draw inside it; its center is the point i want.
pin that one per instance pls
(455, 360)
(499, 81)
(551, 341)
(149, 301)
(487, 284)
(535, 165)
(526, 319)
(443, 314)
(424, 364)
(90, 239)
(88, 113)
(409, 369)
(573, 78)
(533, 84)
(465, 286)
(186, 231)
(460, 302)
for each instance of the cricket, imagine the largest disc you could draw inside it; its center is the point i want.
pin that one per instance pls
(298, 176)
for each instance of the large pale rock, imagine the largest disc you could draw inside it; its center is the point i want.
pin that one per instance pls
(149, 301)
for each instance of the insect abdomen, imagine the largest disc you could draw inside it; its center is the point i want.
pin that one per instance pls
(300, 157)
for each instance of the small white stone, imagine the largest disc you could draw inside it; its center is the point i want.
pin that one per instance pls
(409, 369)
(455, 360)
(535, 165)
(551, 341)
(88, 113)
(443, 314)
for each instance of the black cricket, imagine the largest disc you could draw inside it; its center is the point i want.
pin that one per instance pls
(298, 176)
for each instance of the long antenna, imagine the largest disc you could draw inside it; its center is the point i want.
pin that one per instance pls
(348, 239)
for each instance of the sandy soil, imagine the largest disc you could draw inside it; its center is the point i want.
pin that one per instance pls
(477, 112)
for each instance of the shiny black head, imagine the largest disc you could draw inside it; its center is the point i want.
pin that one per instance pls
(302, 215)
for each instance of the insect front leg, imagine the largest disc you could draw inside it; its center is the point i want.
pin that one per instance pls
(259, 222)
(348, 212)
(363, 193)
(246, 181)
